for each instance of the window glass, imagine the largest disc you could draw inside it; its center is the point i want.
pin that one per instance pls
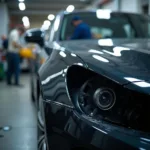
(117, 26)
(144, 22)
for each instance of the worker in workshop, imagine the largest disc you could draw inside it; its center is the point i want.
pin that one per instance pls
(13, 58)
(82, 30)
(4, 42)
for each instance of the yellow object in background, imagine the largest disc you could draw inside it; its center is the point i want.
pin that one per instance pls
(42, 60)
(26, 53)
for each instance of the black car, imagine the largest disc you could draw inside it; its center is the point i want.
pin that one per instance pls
(95, 94)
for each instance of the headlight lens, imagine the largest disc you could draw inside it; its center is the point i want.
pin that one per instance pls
(104, 98)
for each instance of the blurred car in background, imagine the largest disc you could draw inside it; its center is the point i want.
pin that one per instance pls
(94, 94)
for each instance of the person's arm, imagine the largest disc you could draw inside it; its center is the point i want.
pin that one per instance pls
(16, 45)
(76, 34)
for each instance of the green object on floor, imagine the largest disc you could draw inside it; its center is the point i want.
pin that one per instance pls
(2, 72)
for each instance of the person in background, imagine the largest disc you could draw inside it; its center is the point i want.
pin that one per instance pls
(13, 58)
(4, 42)
(82, 30)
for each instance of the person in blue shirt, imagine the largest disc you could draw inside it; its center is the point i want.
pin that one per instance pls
(82, 30)
(4, 42)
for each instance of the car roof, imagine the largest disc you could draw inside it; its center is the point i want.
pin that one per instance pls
(94, 10)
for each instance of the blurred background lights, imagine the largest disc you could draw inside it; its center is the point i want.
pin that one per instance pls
(70, 8)
(26, 22)
(22, 6)
(46, 25)
(51, 17)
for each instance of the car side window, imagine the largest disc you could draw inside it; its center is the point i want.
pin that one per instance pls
(101, 32)
(130, 32)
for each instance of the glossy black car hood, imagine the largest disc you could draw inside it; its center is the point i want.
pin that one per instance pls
(121, 60)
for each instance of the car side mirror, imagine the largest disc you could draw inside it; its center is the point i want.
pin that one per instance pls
(35, 36)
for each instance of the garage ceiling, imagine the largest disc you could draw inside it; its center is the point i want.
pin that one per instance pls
(38, 10)
(44, 7)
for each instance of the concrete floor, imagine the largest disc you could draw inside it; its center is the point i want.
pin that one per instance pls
(17, 111)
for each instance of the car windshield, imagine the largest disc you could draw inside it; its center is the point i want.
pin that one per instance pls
(109, 25)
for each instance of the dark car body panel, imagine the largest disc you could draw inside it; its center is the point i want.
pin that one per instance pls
(116, 59)
(74, 126)
(131, 63)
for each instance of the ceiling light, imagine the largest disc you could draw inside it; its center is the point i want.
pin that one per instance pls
(25, 18)
(70, 8)
(47, 23)
(44, 27)
(22, 6)
(26, 22)
(51, 17)
(21, 0)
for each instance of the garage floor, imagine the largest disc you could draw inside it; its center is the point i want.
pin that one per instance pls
(18, 112)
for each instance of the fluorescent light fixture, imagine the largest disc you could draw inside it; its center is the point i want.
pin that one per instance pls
(62, 54)
(95, 51)
(26, 22)
(117, 51)
(103, 14)
(100, 58)
(21, 0)
(70, 8)
(25, 18)
(51, 17)
(46, 25)
(22, 6)
(105, 42)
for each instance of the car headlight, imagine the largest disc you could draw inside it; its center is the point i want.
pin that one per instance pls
(103, 99)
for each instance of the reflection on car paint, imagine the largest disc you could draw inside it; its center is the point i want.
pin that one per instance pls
(117, 51)
(138, 82)
(103, 14)
(105, 42)
(95, 51)
(63, 54)
(100, 58)
(74, 55)
(51, 77)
